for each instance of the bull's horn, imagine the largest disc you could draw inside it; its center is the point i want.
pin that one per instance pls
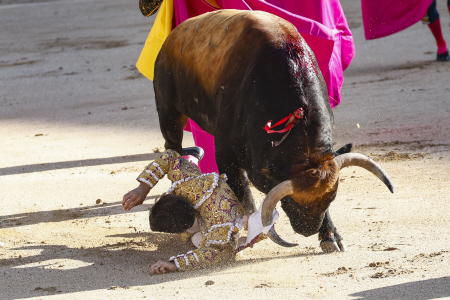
(273, 235)
(273, 197)
(360, 160)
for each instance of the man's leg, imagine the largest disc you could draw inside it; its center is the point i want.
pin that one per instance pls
(435, 27)
(448, 6)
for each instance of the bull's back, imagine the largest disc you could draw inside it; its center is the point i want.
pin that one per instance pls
(197, 51)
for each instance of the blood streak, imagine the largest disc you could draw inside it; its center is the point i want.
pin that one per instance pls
(302, 59)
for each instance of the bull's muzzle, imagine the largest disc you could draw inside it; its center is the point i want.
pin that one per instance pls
(286, 188)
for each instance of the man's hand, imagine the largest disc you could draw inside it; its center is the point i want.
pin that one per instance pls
(162, 267)
(135, 197)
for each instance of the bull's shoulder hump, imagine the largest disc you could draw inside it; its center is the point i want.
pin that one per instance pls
(204, 48)
(234, 20)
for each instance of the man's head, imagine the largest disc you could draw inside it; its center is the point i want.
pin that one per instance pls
(171, 214)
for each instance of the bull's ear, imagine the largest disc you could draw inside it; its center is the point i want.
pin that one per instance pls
(346, 149)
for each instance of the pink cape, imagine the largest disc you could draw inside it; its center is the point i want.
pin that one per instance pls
(385, 17)
(320, 22)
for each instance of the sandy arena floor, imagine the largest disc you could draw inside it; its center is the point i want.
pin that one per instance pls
(78, 123)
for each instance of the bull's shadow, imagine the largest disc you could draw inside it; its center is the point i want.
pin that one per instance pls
(418, 290)
(58, 269)
(61, 215)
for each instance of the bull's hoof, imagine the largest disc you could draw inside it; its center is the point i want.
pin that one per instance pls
(332, 241)
(333, 246)
(342, 246)
(329, 247)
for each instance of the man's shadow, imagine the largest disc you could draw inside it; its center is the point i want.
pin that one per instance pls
(59, 269)
(61, 215)
(77, 163)
(124, 264)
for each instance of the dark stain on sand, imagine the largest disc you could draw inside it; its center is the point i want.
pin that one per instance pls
(83, 43)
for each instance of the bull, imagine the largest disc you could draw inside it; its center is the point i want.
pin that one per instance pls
(233, 71)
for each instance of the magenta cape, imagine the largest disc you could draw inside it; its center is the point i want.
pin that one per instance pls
(385, 17)
(320, 22)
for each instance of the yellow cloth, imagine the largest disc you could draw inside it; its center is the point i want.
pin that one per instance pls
(158, 34)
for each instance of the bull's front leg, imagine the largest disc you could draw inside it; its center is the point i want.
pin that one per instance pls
(237, 177)
(171, 120)
(248, 202)
(172, 123)
(330, 239)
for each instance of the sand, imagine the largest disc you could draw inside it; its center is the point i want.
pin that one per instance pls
(78, 123)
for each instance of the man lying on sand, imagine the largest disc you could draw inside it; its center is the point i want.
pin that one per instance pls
(202, 207)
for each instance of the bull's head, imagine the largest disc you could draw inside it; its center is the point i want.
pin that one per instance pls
(305, 191)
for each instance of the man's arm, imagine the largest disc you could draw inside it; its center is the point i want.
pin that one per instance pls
(155, 171)
(204, 257)
(135, 197)
(162, 267)
(195, 260)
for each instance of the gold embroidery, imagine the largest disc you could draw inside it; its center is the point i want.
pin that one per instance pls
(218, 214)
(149, 7)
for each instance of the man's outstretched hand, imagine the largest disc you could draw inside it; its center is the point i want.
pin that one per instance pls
(162, 267)
(135, 197)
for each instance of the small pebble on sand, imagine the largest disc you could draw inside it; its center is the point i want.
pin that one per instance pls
(209, 282)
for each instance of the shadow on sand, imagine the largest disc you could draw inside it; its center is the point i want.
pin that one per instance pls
(434, 288)
(61, 215)
(77, 163)
(59, 269)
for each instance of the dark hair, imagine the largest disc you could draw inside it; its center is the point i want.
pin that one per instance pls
(171, 214)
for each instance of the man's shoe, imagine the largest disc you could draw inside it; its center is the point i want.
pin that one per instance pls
(197, 152)
(443, 57)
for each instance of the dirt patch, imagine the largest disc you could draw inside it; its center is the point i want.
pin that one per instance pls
(339, 271)
(424, 145)
(5, 2)
(21, 62)
(390, 273)
(396, 156)
(83, 43)
(423, 256)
